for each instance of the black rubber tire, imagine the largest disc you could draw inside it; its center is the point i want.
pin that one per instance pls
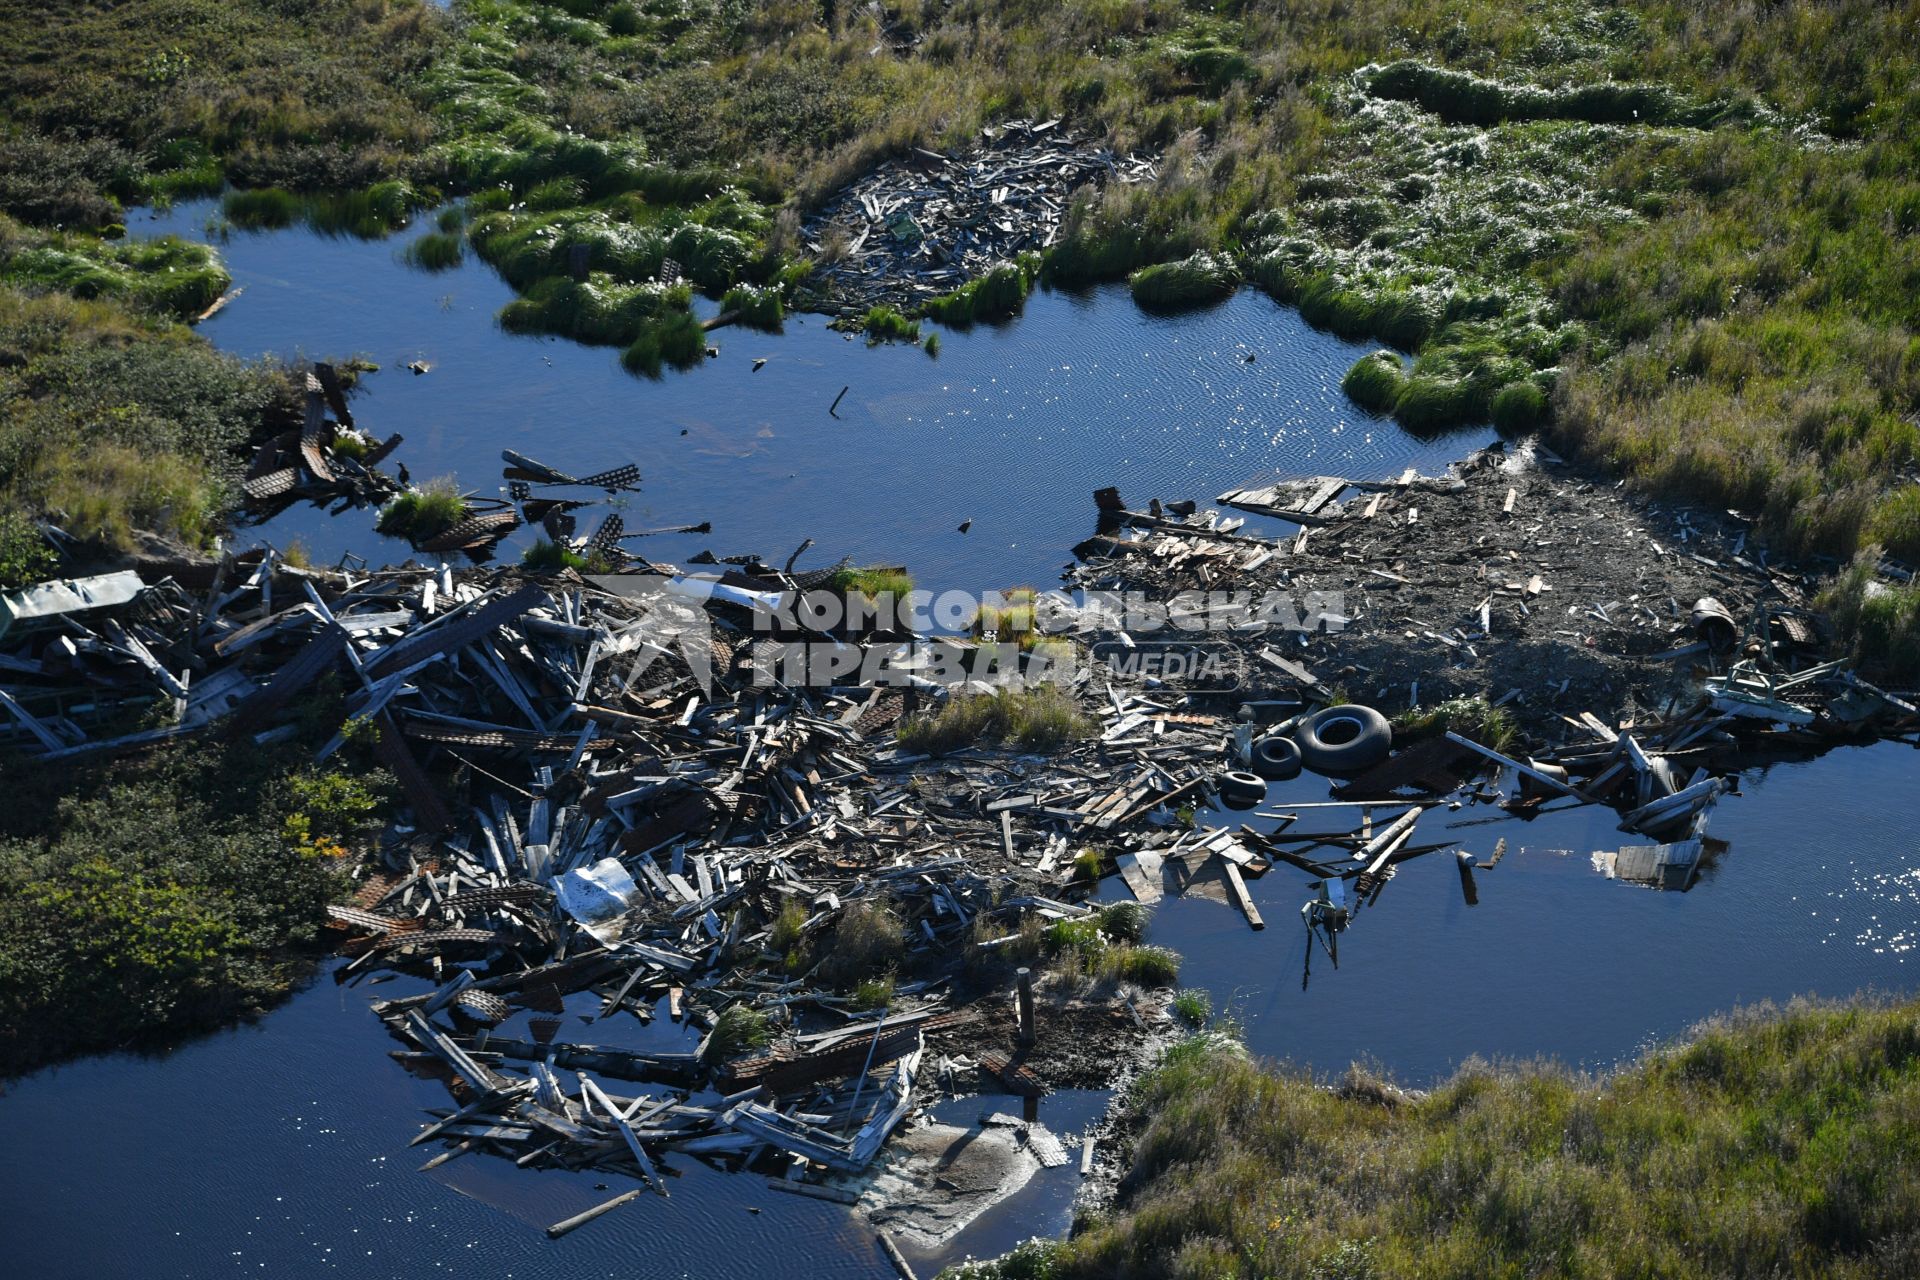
(1275, 758)
(1240, 790)
(1344, 739)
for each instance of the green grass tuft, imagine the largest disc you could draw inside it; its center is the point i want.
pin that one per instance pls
(755, 308)
(673, 338)
(1197, 281)
(437, 251)
(1519, 406)
(884, 324)
(739, 1029)
(424, 513)
(1375, 382)
(997, 295)
(1474, 718)
(1037, 718)
(263, 208)
(545, 556)
(875, 582)
(1192, 1006)
(867, 940)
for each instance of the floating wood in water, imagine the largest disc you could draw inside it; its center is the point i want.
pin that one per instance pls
(219, 304)
(814, 1191)
(1238, 887)
(1663, 866)
(894, 1256)
(1295, 501)
(565, 1225)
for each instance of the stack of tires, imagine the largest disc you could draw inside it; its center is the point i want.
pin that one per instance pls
(1336, 740)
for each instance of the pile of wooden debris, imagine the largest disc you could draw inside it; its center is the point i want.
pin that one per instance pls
(927, 223)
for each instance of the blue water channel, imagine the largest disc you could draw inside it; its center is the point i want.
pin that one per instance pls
(279, 1148)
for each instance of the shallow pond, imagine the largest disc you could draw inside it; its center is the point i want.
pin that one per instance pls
(1011, 426)
(280, 1148)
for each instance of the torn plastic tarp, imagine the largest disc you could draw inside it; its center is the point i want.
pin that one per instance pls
(597, 896)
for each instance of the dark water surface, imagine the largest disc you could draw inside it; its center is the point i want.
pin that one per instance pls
(280, 1149)
(1011, 426)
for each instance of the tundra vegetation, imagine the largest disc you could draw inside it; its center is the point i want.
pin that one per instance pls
(1777, 1142)
(168, 893)
(1679, 238)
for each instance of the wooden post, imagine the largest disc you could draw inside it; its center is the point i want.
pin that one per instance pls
(1465, 862)
(1026, 1005)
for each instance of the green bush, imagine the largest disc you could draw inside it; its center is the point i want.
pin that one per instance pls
(157, 894)
(25, 557)
(1877, 619)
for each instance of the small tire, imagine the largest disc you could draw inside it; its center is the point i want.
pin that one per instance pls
(1241, 790)
(1275, 758)
(1344, 739)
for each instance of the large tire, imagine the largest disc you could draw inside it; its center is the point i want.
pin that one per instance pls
(1275, 758)
(1240, 790)
(1344, 739)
